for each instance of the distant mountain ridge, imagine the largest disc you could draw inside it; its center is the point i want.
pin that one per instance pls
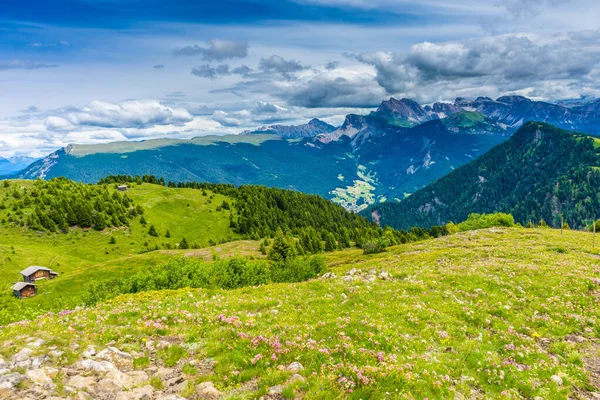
(383, 156)
(15, 164)
(313, 128)
(542, 172)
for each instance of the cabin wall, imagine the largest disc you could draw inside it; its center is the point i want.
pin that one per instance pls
(28, 292)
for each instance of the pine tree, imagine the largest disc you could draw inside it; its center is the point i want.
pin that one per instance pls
(143, 221)
(112, 240)
(152, 231)
(184, 244)
(262, 249)
(168, 234)
(330, 242)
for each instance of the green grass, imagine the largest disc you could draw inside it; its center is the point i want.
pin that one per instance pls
(479, 314)
(84, 255)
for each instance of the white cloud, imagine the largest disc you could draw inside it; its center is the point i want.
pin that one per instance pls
(216, 50)
(126, 114)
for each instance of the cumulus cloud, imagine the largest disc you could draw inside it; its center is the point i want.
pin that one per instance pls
(280, 65)
(216, 50)
(208, 71)
(126, 114)
(508, 62)
(22, 64)
(218, 71)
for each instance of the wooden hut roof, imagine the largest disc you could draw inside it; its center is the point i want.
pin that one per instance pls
(21, 285)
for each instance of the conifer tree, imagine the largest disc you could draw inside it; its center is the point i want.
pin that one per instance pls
(330, 242)
(184, 244)
(152, 231)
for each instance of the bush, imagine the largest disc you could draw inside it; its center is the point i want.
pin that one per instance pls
(233, 273)
(483, 221)
(374, 246)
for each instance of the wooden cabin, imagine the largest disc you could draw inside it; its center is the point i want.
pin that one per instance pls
(122, 188)
(24, 289)
(35, 273)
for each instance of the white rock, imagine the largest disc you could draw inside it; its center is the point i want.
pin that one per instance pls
(89, 352)
(39, 377)
(37, 343)
(138, 377)
(275, 390)
(120, 359)
(171, 397)
(351, 272)
(56, 353)
(557, 379)
(120, 379)
(295, 367)
(142, 393)
(9, 381)
(207, 390)
(108, 386)
(296, 378)
(96, 366)
(22, 355)
(81, 382)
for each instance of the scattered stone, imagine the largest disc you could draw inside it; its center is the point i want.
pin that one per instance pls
(295, 367)
(163, 372)
(142, 393)
(37, 362)
(56, 354)
(171, 397)
(9, 381)
(96, 366)
(557, 379)
(81, 382)
(384, 275)
(575, 339)
(108, 386)
(39, 377)
(296, 378)
(180, 387)
(275, 390)
(328, 275)
(206, 390)
(37, 343)
(120, 359)
(120, 379)
(22, 355)
(89, 352)
(351, 272)
(138, 377)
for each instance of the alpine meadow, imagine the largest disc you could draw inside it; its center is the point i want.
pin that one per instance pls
(299, 199)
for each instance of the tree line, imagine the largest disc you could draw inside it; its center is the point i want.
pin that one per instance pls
(59, 203)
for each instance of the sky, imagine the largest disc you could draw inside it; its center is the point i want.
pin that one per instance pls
(95, 71)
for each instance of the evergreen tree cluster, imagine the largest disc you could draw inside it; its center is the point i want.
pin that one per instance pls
(58, 204)
(317, 223)
(541, 174)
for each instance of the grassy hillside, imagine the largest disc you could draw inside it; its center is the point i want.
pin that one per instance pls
(84, 255)
(492, 314)
(542, 172)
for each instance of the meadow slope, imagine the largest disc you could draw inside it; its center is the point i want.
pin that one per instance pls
(491, 314)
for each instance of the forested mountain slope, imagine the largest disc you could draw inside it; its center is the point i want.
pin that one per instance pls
(542, 172)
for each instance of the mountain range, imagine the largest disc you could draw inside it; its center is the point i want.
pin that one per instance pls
(380, 157)
(15, 164)
(541, 173)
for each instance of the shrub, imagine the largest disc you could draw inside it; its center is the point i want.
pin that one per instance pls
(232, 273)
(483, 221)
(374, 246)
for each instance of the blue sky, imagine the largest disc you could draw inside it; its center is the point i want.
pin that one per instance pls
(89, 71)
